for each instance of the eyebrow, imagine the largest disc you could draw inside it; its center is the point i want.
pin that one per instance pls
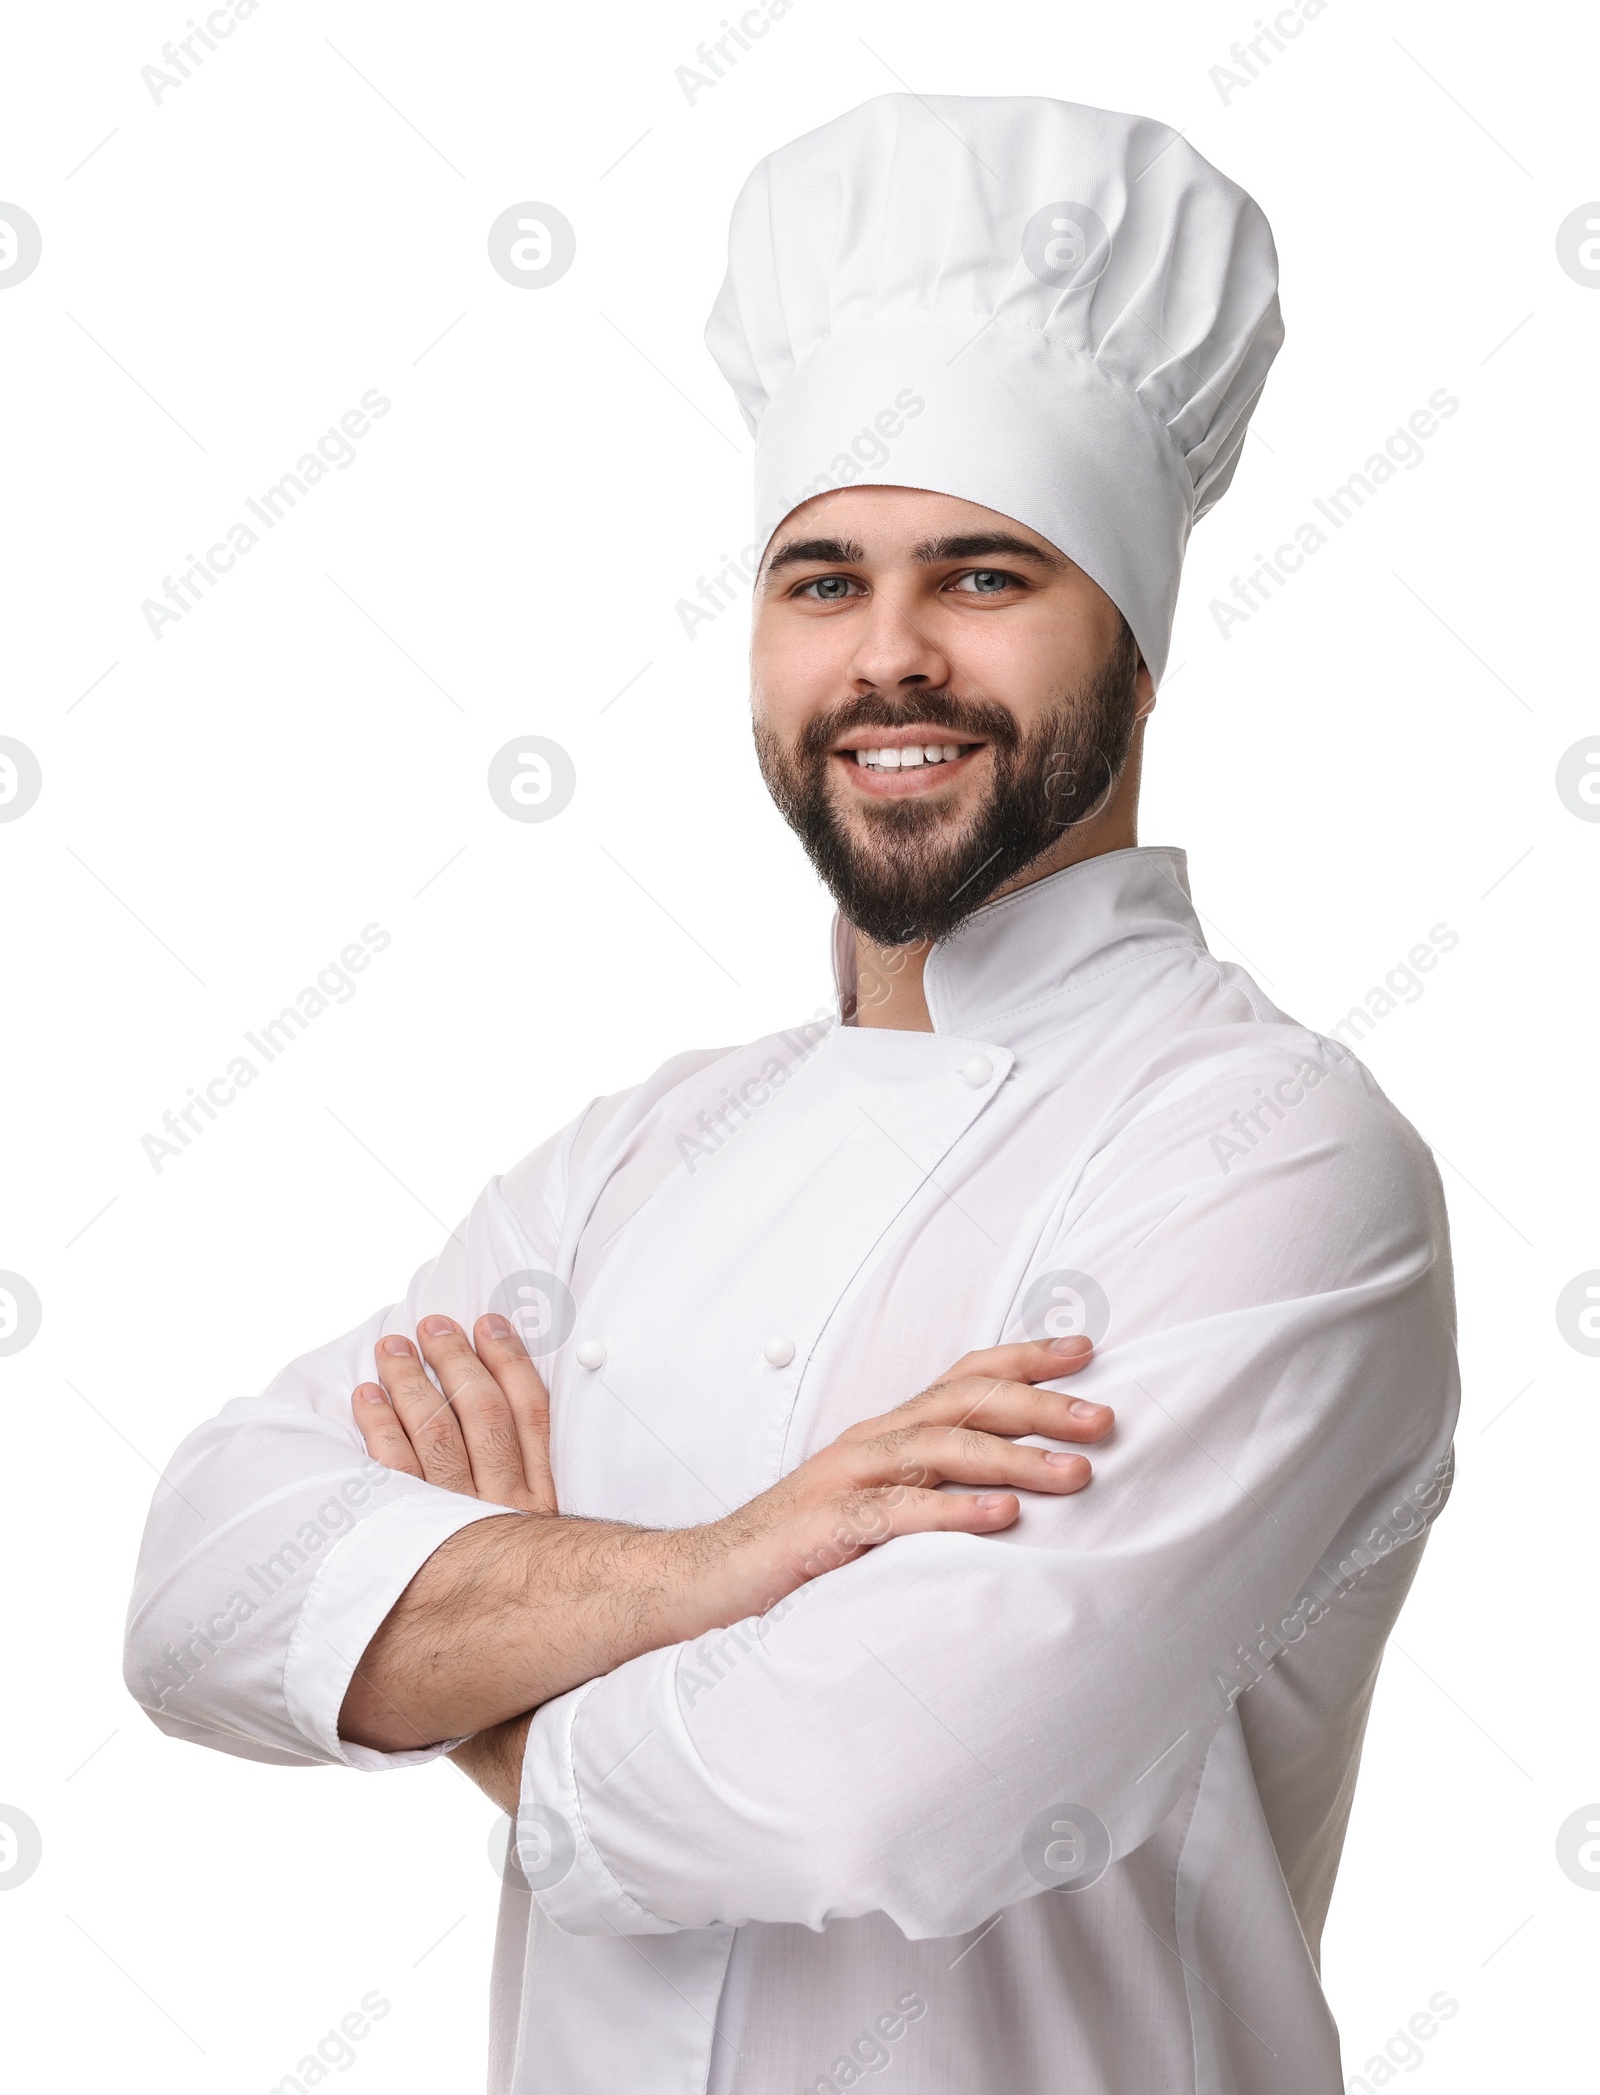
(837, 552)
(845, 552)
(975, 545)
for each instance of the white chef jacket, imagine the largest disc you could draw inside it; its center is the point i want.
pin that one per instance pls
(806, 1855)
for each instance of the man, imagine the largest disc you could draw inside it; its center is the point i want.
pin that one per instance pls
(821, 1770)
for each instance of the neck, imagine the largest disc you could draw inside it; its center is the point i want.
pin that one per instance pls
(889, 990)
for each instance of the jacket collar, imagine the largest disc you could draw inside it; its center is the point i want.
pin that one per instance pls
(1045, 939)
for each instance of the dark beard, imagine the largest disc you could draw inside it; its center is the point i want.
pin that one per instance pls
(918, 875)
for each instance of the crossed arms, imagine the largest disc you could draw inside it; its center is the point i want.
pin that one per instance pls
(515, 1610)
(1280, 1366)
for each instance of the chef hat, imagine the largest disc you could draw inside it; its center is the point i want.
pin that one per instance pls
(1060, 313)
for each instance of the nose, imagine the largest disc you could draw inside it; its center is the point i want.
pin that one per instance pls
(894, 654)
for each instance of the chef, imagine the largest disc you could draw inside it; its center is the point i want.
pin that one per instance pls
(750, 1561)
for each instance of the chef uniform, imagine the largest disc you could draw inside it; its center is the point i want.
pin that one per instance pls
(1056, 1811)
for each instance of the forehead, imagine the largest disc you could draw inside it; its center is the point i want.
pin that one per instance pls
(895, 526)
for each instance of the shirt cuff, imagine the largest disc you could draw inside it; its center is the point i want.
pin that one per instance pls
(359, 1581)
(563, 1867)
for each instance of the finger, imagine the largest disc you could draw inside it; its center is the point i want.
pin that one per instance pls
(382, 1431)
(429, 1422)
(913, 1512)
(861, 1520)
(1029, 1360)
(482, 1413)
(506, 1357)
(995, 1405)
(918, 1456)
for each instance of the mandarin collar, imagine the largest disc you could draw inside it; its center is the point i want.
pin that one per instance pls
(1048, 938)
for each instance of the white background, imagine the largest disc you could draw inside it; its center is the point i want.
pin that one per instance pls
(304, 754)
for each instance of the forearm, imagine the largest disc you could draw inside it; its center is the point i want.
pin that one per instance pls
(512, 1611)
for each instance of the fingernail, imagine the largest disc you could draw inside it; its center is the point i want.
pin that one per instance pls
(1080, 1407)
(1070, 1347)
(991, 1501)
(396, 1347)
(1059, 1460)
(436, 1327)
(497, 1327)
(370, 1393)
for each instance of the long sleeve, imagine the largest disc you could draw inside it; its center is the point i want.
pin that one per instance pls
(1281, 1358)
(275, 1547)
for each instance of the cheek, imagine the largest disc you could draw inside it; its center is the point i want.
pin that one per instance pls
(798, 668)
(1023, 657)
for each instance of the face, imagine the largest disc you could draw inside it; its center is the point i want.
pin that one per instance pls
(941, 699)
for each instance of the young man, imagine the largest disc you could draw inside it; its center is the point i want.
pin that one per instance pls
(821, 1770)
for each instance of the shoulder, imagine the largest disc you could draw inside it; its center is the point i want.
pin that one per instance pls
(1271, 1134)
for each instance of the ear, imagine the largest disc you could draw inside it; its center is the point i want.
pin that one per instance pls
(1144, 692)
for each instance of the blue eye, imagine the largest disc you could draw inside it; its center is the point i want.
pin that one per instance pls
(988, 581)
(829, 589)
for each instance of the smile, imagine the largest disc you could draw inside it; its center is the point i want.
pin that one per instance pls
(908, 758)
(903, 760)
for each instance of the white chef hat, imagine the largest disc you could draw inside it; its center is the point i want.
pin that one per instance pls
(1059, 313)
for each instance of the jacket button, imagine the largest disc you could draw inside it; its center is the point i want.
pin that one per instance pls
(591, 1354)
(977, 1070)
(778, 1352)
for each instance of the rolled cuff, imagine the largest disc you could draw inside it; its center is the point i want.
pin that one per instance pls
(565, 1873)
(355, 1587)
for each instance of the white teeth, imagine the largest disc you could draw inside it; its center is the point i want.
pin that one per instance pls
(908, 758)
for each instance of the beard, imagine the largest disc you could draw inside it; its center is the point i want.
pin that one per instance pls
(910, 871)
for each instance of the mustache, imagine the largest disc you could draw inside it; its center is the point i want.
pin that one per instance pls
(980, 718)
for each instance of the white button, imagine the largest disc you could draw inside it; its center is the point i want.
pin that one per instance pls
(977, 1069)
(778, 1352)
(591, 1354)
